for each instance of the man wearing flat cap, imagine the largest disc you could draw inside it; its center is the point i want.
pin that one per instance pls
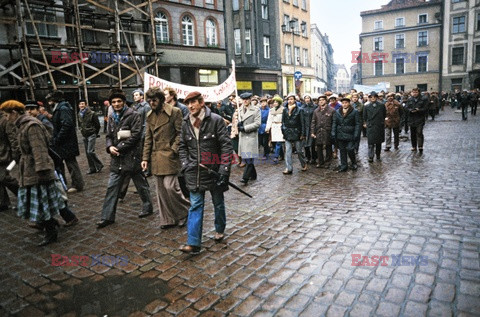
(204, 141)
(249, 120)
(374, 117)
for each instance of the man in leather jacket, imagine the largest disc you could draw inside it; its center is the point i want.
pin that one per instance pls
(204, 141)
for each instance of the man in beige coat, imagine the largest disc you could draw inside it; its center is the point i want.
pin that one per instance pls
(164, 125)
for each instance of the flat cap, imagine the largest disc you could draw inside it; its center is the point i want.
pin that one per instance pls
(246, 95)
(347, 98)
(191, 96)
(373, 94)
(322, 96)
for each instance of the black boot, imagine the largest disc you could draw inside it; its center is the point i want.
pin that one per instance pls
(51, 232)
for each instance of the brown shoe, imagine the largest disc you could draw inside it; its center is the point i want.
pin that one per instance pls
(242, 165)
(219, 236)
(190, 249)
(35, 225)
(305, 168)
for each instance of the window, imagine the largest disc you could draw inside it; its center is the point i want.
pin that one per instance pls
(457, 55)
(295, 3)
(378, 68)
(246, 4)
(400, 88)
(400, 66)
(266, 47)
(127, 26)
(297, 28)
(478, 21)
(235, 5)
(400, 41)
(286, 19)
(208, 77)
(238, 41)
(161, 27)
(399, 22)
(458, 25)
(422, 18)
(422, 87)
(248, 42)
(44, 15)
(89, 36)
(297, 55)
(423, 38)
(305, 30)
(187, 31)
(305, 57)
(378, 25)
(211, 29)
(288, 54)
(477, 54)
(304, 5)
(210, 1)
(265, 9)
(422, 63)
(457, 83)
(378, 44)
(456, 1)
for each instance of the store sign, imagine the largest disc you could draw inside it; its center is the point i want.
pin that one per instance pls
(269, 85)
(244, 85)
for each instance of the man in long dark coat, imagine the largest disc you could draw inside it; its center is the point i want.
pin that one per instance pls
(374, 116)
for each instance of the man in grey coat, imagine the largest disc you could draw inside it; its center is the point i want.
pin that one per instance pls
(374, 117)
(249, 120)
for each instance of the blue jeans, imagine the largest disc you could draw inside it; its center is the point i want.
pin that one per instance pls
(289, 151)
(195, 215)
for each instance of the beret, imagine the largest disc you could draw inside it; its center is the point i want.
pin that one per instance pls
(246, 95)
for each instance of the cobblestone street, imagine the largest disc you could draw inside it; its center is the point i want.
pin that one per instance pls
(288, 251)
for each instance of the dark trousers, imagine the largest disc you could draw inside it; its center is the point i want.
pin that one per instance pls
(474, 109)
(346, 148)
(67, 214)
(375, 148)
(113, 189)
(249, 172)
(328, 153)
(94, 163)
(10, 183)
(263, 141)
(311, 153)
(416, 134)
(75, 173)
(464, 112)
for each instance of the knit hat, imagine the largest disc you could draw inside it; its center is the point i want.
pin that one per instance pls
(117, 93)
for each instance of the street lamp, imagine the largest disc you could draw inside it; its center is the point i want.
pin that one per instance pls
(291, 28)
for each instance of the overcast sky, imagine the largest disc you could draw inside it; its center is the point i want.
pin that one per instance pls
(340, 19)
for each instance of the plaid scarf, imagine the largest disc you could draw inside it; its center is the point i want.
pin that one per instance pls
(118, 116)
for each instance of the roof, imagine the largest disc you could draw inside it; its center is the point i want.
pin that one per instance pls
(395, 5)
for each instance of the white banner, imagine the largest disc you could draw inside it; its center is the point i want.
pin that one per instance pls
(211, 94)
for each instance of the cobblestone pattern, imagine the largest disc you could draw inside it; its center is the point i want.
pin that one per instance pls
(288, 251)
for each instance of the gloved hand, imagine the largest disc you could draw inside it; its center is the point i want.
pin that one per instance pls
(222, 181)
(240, 126)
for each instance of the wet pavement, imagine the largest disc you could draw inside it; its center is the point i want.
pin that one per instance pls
(308, 244)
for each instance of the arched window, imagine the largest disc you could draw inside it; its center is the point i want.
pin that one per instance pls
(161, 27)
(187, 31)
(211, 30)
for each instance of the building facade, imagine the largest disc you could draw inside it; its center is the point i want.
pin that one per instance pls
(400, 45)
(342, 79)
(322, 60)
(461, 49)
(253, 43)
(295, 43)
(354, 75)
(118, 40)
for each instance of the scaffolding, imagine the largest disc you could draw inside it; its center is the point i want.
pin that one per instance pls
(83, 47)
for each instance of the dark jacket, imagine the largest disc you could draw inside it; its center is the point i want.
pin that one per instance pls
(227, 110)
(321, 125)
(88, 124)
(130, 149)
(293, 126)
(308, 110)
(64, 140)
(47, 124)
(416, 110)
(346, 128)
(183, 108)
(264, 113)
(142, 108)
(394, 114)
(213, 149)
(35, 165)
(374, 115)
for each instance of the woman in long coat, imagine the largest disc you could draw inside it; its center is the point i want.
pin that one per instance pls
(274, 127)
(38, 197)
(249, 120)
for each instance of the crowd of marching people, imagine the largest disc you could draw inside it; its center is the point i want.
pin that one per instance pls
(189, 148)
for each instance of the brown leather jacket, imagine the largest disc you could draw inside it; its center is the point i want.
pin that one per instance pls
(394, 114)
